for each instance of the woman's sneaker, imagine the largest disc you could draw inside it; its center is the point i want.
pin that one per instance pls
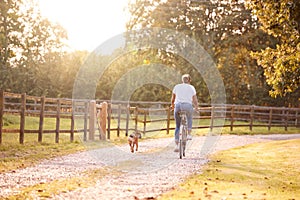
(176, 148)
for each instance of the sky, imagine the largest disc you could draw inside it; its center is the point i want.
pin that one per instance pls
(89, 23)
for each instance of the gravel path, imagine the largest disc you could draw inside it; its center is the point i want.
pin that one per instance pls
(151, 171)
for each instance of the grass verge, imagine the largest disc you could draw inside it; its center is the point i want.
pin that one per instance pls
(258, 171)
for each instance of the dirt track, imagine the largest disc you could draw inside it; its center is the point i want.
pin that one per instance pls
(153, 170)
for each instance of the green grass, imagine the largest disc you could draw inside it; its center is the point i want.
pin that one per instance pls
(230, 169)
(260, 130)
(258, 171)
(243, 128)
(32, 123)
(14, 155)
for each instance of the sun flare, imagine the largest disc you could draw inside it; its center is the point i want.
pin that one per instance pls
(88, 23)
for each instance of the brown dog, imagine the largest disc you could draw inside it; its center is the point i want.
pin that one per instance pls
(133, 140)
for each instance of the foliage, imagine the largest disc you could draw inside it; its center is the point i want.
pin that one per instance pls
(280, 19)
(27, 40)
(137, 66)
(226, 30)
(57, 75)
(33, 57)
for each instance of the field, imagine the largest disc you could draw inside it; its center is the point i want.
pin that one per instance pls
(258, 171)
(14, 155)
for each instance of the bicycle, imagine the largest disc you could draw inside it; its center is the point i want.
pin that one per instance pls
(182, 134)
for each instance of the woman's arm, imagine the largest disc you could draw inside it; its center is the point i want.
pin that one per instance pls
(173, 100)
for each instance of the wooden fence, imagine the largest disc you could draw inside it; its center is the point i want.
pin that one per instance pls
(217, 116)
(40, 107)
(106, 117)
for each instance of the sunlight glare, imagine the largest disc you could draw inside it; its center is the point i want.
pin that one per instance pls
(88, 23)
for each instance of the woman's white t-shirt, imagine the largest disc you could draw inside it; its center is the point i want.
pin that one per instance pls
(184, 93)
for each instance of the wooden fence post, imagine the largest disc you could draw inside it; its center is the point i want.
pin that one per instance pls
(41, 124)
(296, 119)
(145, 121)
(72, 123)
(127, 119)
(35, 102)
(232, 118)
(1, 113)
(286, 119)
(103, 118)
(251, 117)
(108, 120)
(270, 119)
(85, 120)
(212, 117)
(119, 120)
(168, 120)
(22, 118)
(57, 121)
(136, 118)
(92, 120)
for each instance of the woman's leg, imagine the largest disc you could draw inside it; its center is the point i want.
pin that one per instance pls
(177, 121)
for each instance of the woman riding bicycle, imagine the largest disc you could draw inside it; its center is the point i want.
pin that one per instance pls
(183, 99)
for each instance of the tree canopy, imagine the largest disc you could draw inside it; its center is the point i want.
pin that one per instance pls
(281, 64)
(229, 33)
(27, 42)
(253, 44)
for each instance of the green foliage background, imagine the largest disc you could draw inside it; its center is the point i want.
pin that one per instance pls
(255, 46)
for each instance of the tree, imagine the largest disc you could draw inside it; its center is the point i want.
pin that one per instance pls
(281, 64)
(26, 38)
(57, 74)
(226, 30)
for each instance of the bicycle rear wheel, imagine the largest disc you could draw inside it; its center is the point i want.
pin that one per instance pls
(183, 148)
(182, 141)
(181, 151)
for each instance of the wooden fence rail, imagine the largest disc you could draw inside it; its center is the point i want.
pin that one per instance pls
(88, 117)
(41, 108)
(218, 115)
